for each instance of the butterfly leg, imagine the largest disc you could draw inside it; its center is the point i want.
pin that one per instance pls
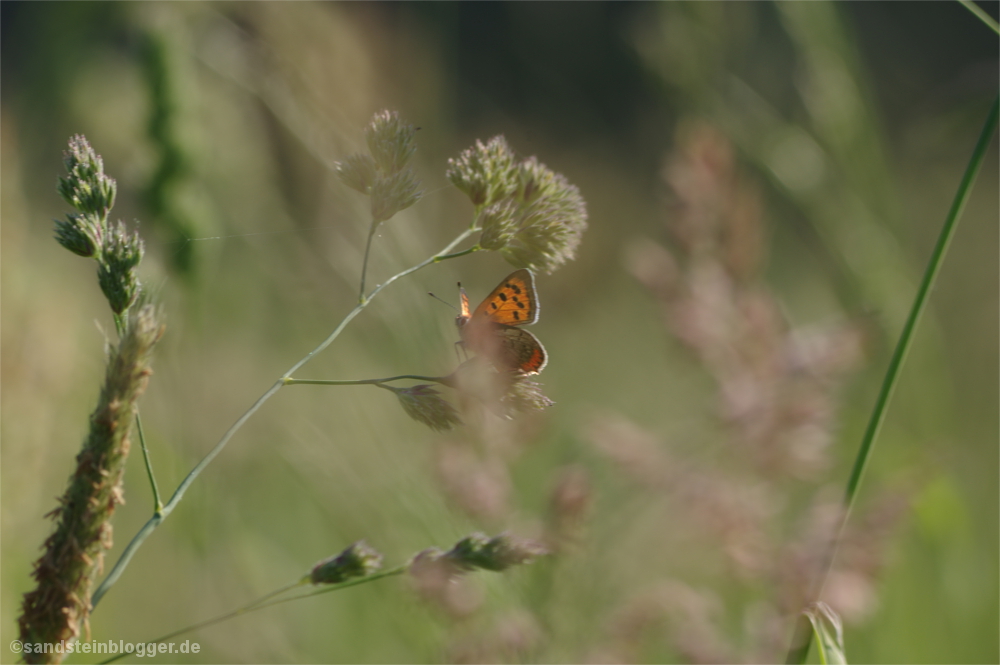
(464, 351)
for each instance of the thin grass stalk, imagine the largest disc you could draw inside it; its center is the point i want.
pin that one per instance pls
(178, 494)
(802, 638)
(364, 382)
(157, 503)
(979, 13)
(364, 263)
(269, 600)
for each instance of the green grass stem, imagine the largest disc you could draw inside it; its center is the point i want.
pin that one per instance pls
(802, 638)
(981, 15)
(161, 514)
(362, 382)
(268, 600)
(364, 263)
(149, 463)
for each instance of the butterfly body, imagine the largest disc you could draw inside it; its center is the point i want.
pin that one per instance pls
(492, 328)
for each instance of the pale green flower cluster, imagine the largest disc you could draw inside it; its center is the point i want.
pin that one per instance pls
(533, 216)
(382, 174)
(524, 395)
(88, 232)
(425, 404)
(479, 551)
(358, 560)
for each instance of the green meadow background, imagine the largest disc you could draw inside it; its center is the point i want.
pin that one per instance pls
(853, 122)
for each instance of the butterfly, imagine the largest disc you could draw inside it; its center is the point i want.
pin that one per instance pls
(492, 329)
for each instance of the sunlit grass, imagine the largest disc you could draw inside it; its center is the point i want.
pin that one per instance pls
(322, 467)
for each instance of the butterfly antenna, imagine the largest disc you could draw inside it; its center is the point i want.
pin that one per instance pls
(444, 301)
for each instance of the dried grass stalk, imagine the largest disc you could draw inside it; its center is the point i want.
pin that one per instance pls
(74, 553)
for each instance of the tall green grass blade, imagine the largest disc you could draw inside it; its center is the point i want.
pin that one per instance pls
(981, 15)
(803, 636)
(919, 305)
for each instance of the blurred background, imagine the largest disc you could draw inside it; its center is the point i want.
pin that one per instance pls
(764, 182)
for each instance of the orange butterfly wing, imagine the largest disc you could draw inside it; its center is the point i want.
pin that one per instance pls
(513, 303)
(491, 329)
(521, 350)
